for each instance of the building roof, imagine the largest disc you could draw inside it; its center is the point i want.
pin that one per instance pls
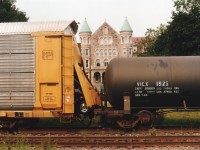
(41, 27)
(126, 26)
(85, 27)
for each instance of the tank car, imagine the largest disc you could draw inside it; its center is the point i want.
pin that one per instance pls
(152, 83)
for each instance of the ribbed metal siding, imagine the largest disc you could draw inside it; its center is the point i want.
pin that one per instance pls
(17, 71)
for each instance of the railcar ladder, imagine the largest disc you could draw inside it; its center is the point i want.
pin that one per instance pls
(68, 74)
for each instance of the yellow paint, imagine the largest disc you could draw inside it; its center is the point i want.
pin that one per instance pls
(48, 72)
(57, 55)
(91, 96)
(68, 74)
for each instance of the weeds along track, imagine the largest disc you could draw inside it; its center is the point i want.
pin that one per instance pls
(106, 138)
(175, 131)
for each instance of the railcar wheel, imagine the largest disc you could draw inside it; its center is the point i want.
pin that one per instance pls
(145, 119)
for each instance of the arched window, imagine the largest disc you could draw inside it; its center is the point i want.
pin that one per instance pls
(97, 63)
(97, 77)
(105, 62)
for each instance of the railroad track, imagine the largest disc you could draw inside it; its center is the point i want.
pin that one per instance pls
(108, 132)
(105, 137)
(104, 141)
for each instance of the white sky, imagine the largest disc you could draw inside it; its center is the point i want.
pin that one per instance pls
(142, 14)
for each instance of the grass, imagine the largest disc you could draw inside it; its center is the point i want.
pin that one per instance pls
(180, 118)
(171, 118)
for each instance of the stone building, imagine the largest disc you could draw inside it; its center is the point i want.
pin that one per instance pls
(100, 47)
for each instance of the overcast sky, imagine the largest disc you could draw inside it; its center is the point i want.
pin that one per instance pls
(141, 14)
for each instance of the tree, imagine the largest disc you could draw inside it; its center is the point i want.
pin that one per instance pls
(182, 35)
(9, 13)
(148, 42)
(186, 6)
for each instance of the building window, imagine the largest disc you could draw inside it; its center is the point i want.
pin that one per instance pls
(105, 52)
(84, 40)
(97, 77)
(97, 63)
(135, 49)
(87, 63)
(97, 52)
(101, 52)
(114, 52)
(130, 51)
(110, 40)
(110, 52)
(105, 40)
(126, 39)
(124, 52)
(105, 62)
(101, 41)
(87, 52)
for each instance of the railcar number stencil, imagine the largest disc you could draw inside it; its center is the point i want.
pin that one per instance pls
(144, 88)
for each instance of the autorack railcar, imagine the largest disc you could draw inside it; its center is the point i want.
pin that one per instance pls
(41, 73)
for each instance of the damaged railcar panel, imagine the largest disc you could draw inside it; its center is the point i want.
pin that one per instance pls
(17, 71)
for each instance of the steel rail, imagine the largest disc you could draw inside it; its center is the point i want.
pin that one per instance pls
(104, 141)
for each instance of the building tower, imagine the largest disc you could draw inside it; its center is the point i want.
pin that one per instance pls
(126, 39)
(85, 35)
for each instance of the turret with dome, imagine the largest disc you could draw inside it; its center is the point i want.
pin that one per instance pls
(100, 47)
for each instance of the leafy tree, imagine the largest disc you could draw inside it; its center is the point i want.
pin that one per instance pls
(148, 43)
(186, 6)
(182, 35)
(9, 13)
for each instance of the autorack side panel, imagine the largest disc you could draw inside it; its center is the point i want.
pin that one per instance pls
(48, 72)
(17, 71)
